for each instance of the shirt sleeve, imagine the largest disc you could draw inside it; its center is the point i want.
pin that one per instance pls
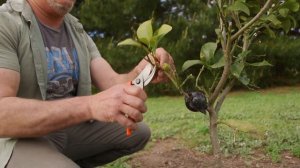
(93, 50)
(8, 43)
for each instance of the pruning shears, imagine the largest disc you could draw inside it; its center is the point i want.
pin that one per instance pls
(142, 80)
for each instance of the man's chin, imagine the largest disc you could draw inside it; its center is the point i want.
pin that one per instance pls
(61, 9)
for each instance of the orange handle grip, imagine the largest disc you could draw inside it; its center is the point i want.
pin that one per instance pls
(128, 130)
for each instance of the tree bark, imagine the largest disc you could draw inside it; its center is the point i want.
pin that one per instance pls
(213, 127)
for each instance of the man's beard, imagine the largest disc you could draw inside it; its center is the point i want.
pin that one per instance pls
(59, 8)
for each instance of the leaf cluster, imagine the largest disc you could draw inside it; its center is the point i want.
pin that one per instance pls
(146, 38)
(240, 25)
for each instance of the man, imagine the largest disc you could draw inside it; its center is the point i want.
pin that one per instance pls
(48, 117)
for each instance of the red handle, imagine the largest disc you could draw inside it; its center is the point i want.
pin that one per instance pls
(128, 130)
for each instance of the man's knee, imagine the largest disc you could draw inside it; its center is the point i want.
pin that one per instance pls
(144, 131)
(142, 136)
(37, 153)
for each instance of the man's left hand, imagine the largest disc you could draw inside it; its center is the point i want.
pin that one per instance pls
(162, 57)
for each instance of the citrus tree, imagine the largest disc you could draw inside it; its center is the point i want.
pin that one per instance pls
(227, 60)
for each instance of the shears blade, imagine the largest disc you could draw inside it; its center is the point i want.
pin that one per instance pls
(145, 77)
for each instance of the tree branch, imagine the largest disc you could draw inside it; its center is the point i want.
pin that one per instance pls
(198, 76)
(227, 53)
(225, 73)
(223, 95)
(253, 20)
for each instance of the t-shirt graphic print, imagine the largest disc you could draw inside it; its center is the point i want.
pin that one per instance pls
(62, 62)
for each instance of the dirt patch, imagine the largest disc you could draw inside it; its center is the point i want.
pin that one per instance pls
(170, 153)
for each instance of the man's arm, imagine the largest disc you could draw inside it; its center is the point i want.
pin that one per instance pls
(27, 117)
(104, 77)
(21, 117)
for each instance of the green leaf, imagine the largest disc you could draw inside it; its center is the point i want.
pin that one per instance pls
(239, 6)
(259, 64)
(218, 33)
(244, 18)
(272, 18)
(145, 32)
(284, 12)
(189, 63)
(286, 25)
(219, 64)
(158, 35)
(269, 31)
(292, 5)
(243, 55)
(237, 68)
(207, 51)
(217, 61)
(295, 7)
(129, 41)
(244, 78)
(294, 21)
(162, 31)
(153, 44)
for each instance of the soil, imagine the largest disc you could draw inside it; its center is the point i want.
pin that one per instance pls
(170, 153)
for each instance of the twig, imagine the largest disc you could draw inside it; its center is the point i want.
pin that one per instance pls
(186, 79)
(224, 76)
(214, 83)
(253, 20)
(223, 27)
(224, 94)
(198, 76)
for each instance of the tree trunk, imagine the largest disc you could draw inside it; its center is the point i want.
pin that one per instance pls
(213, 130)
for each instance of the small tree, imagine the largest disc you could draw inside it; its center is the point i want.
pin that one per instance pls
(226, 61)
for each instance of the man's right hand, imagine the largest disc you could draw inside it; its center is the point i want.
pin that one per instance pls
(121, 103)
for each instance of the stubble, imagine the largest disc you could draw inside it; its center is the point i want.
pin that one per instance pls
(59, 8)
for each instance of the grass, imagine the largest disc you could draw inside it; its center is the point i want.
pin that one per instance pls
(269, 120)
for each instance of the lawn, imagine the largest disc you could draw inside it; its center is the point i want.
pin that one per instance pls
(271, 118)
(266, 119)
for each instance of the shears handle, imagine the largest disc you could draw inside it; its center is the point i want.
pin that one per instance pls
(128, 130)
(141, 81)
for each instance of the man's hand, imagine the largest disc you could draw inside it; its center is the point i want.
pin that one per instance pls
(121, 103)
(162, 57)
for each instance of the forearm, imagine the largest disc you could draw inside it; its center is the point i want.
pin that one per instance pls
(126, 77)
(104, 76)
(29, 118)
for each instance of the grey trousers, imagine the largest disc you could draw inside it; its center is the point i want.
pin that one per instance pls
(85, 145)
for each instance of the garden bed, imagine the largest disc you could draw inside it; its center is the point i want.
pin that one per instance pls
(170, 153)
